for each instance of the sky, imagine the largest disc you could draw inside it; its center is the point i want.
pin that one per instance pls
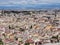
(25, 3)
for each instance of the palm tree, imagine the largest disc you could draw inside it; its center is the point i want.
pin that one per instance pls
(2, 12)
(55, 12)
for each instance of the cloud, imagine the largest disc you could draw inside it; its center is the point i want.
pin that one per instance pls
(26, 2)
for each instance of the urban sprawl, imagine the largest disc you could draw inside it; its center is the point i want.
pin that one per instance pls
(29, 27)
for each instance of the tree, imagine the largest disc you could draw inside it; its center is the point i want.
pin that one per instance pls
(21, 29)
(1, 42)
(55, 37)
(27, 43)
(11, 27)
(31, 27)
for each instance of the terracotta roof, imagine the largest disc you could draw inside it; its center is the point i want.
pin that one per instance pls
(30, 41)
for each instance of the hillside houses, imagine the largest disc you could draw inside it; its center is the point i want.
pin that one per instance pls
(29, 27)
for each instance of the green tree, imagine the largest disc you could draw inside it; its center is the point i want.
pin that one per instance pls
(27, 43)
(1, 42)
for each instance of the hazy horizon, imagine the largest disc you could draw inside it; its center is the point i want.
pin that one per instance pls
(29, 4)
